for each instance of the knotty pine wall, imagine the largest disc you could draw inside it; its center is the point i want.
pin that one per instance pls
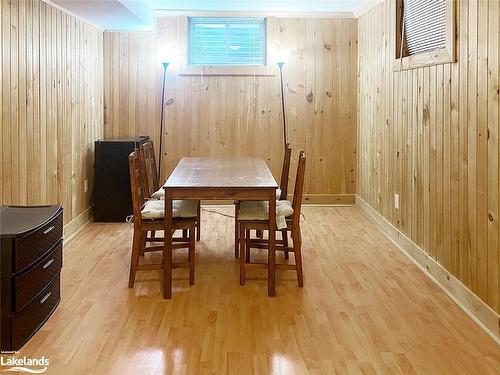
(52, 106)
(432, 135)
(229, 116)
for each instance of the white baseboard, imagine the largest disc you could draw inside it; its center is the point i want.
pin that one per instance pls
(76, 224)
(487, 318)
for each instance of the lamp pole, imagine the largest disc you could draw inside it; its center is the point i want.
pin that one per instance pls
(280, 66)
(165, 66)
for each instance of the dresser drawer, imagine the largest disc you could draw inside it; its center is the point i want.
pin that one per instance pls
(33, 282)
(31, 247)
(27, 321)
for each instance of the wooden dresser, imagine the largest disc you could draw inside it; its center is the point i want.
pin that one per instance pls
(30, 267)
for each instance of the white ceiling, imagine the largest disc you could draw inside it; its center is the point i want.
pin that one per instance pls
(139, 14)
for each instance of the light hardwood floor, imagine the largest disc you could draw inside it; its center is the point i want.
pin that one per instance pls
(365, 308)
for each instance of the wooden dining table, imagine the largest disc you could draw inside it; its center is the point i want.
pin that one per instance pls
(203, 178)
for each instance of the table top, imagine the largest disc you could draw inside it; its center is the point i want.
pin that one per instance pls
(194, 172)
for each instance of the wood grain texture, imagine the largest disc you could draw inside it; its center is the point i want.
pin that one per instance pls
(365, 308)
(194, 172)
(240, 116)
(52, 106)
(431, 135)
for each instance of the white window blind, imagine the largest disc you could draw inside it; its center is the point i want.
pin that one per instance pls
(227, 41)
(424, 25)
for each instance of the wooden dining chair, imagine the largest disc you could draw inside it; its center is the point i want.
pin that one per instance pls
(281, 194)
(255, 216)
(149, 216)
(151, 182)
(148, 170)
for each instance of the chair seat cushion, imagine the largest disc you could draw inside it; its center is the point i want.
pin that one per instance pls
(259, 210)
(158, 194)
(155, 209)
(278, 194)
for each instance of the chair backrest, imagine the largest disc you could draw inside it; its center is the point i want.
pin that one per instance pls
(299, 188)
(148, 165)
(285, 171)
(136, 185)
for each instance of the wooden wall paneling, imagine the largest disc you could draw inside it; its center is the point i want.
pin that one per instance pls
(30, 121)
(454, 152)
(319, 99)
(52, 71)
(340, 88)
(352, 94)
(385, 105)
(446, 193)
(414, 166)
(14, 82)
(6, 98)
(61, 111)
(463, 132)
(36, 156)
(2, 44)
(201, 119)
(432, 166)
(299, 44)
(482, 150)
(493, 137)
(51, 92)
(22, 129)
(310, 181)
(431, 135)
(472, 148)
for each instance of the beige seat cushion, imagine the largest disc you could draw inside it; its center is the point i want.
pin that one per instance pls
(278, 194)
(259, 210)
(158, 194)
(155, 209)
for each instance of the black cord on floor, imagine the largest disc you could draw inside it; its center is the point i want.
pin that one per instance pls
(232, 216)
(218, 213)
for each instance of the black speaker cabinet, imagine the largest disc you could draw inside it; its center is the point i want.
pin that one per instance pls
(111, 197)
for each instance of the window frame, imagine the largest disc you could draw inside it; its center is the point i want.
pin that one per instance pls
(225, 70)
(437, 57)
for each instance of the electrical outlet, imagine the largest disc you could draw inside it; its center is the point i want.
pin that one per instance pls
(396, 201)
(85, 186)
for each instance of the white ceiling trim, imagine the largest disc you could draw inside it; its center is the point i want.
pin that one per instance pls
(367, 7)
(62, 9)
(208, 13)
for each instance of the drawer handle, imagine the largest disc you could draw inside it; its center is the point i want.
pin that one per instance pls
(45, 298)
(48, 263)
(48, 230)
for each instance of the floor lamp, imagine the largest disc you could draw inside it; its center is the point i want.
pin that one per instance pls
(165, 66)
(280, 66)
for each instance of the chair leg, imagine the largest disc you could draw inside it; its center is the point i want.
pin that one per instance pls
(185, 234)
(242, 254)
(144, 235)
(297, 248)
(198, 222)
(284, 237)
(191, 255)
(247, 247)
(259, 233)
(236, 230)
(134, 260)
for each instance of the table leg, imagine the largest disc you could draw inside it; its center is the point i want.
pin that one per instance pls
(167, 247)
(271, 278)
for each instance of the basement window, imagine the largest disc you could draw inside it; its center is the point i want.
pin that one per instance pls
(425, 33)
(227, 41)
